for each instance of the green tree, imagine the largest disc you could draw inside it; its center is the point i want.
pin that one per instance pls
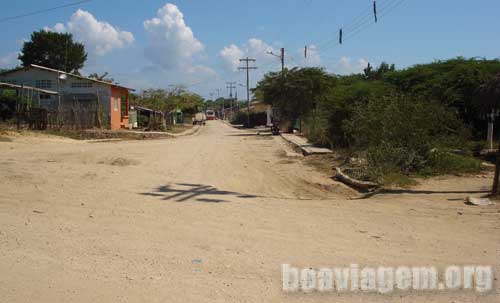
(296, 92)
(378, 73)
(53, 50)
(169, 100)
(339, 104)
(454, 83)
(491, 96)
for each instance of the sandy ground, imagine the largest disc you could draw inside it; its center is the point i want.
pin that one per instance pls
(211, 218)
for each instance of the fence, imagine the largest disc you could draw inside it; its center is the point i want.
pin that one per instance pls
(73, 114)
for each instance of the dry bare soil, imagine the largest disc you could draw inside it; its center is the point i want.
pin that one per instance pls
(211, 218)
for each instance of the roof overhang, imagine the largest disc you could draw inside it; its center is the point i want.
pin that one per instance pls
(15, 86)
(145, 109)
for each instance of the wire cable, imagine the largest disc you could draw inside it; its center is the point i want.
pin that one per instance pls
(361, 23)
(2, 20)
(384, 11)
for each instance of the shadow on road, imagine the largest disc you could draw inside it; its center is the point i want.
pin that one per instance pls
(181, 192)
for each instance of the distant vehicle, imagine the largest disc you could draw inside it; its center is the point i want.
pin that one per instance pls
(199, 119)
(210, 115)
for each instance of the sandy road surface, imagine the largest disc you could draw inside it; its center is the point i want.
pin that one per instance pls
(211, 218)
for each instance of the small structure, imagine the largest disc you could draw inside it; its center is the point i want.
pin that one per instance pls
(175, 117)
(143, 117)
(257, 106)
(29, 106)
(77, 95)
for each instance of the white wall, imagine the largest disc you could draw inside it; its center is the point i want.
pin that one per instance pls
(30, 76)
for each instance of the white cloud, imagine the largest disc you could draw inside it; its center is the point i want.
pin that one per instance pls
(253, 48)
(230, 56)
(172, 43)
(202, 71)
(174, 51)
(99, 37)
(9, 60)
(257, 47)
(59, 27)
(346, 67)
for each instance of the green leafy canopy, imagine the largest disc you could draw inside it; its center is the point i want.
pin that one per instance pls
(54, 50)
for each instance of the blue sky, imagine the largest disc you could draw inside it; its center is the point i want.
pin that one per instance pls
(198, 43)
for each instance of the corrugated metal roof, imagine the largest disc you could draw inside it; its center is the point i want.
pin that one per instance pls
(69, 74)
(145, 109)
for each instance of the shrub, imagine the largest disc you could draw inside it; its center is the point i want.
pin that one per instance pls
(441, 163)
(7, 106)
(396, 134)
(338, 106)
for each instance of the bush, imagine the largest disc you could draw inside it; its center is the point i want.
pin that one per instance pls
(392, 118)
(339, 105)
(441, 163)
(7, 106)
(396, 134)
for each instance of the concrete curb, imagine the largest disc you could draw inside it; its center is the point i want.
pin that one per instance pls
(305, 147)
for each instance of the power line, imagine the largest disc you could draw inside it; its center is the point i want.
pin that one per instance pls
(359, 23)
(365, 13)
(43, 11)
(383, 11)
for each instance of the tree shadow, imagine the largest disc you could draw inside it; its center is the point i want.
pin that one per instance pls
(181, 192)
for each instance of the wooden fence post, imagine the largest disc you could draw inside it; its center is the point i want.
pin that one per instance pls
(98, 110)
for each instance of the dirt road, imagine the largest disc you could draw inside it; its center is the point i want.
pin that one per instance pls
(210, 218)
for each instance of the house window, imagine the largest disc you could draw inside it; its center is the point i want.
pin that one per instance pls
(81, 84)
(115, 104)
(45, 97)
(43, 84)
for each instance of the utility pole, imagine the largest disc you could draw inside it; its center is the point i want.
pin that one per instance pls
(282, 60)
(231, 86)
(222, 106)
(281, 56)
(247, 67)
(236, 100)
(212, 99)
(491, 120)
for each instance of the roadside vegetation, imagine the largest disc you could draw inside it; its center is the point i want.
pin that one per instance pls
(169, 100)
(393, 124)
(169, 103)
